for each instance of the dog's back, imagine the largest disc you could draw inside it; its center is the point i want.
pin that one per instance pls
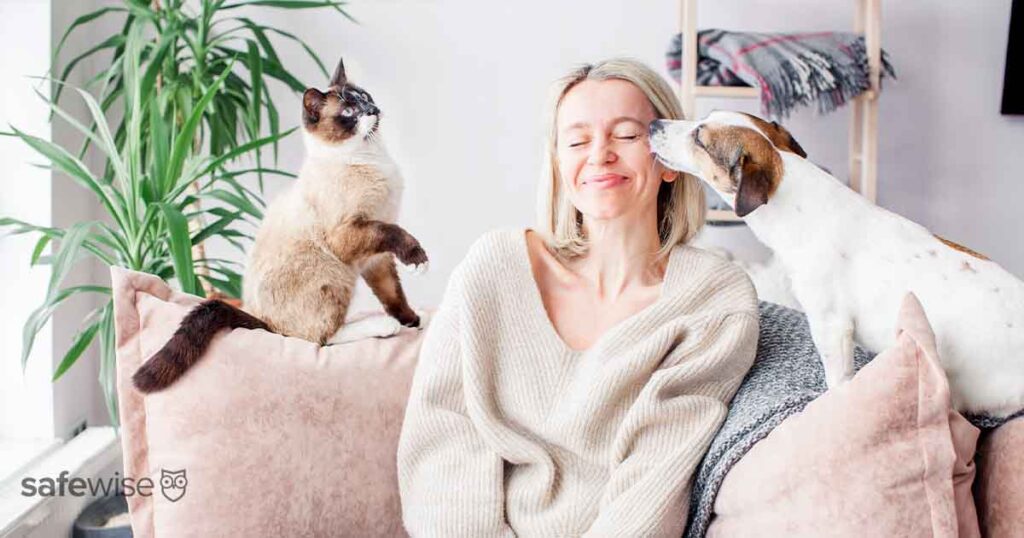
(975, 307)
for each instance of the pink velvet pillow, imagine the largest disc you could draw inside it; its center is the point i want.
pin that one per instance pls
(882, 455)
(277, 436)
(999, 490)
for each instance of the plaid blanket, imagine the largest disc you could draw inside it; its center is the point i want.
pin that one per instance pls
(823, 68)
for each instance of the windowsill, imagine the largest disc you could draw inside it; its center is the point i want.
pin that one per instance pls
(91, 454)
(17, 455)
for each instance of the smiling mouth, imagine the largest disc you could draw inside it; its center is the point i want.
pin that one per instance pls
(606, 179)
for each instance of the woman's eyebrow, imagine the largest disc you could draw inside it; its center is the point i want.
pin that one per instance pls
(615, 121)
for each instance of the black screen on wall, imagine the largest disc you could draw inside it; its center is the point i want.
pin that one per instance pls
(1013, 79)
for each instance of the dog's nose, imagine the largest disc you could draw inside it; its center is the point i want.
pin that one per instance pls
(655, 127)
(372, 110)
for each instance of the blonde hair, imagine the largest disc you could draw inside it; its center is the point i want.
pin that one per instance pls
(681, 204)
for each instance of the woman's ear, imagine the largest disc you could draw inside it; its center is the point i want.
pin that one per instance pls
(668, 176)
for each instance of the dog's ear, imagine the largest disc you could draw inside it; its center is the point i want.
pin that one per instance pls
(339, 79)
(756, 174)
(755, 187)
(312, 103)
(783, 139)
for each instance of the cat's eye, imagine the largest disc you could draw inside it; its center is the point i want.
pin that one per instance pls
(348, 111)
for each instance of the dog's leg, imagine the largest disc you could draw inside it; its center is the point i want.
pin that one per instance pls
(833, 336)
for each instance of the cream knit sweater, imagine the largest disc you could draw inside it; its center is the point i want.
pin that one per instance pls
(509, 432)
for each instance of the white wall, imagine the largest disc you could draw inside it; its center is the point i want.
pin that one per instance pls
(32, 406)
(77, 394)
(26, 402)
(462, 83)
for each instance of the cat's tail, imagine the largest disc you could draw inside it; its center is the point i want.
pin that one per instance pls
(189, 342)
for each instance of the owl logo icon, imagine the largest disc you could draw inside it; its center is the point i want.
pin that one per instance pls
(173, 483)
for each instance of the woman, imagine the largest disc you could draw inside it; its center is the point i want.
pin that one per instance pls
(573, 376)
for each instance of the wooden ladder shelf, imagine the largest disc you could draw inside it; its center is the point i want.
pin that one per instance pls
(863, 137)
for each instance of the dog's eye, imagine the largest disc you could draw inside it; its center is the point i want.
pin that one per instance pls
(348, 111)
(696, 137)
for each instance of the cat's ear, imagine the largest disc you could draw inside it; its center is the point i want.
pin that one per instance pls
(339, 77)
(312, 103)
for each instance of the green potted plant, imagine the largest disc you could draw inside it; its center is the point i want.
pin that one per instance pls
(192, 88)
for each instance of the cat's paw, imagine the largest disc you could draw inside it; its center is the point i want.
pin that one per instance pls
(412, 254)
(371, 327)
(424, 319)
(416, 269)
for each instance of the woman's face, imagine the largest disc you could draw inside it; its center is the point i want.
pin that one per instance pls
(604, 158)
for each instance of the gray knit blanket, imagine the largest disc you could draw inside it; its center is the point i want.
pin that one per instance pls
(786, 375)
(824, 69)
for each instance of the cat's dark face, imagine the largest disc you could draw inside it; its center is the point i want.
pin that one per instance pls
(343, 112)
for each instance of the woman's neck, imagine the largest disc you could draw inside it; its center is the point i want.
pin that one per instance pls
(621, 254)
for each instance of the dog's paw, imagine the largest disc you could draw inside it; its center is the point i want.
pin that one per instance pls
(833, 381)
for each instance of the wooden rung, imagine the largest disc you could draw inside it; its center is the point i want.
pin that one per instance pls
(733, 92)
(722, 215)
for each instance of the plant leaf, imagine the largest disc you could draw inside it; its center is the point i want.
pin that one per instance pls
(81, 343)
(108, 363)
(181, 249)
(230, 288)
(84, 19)
(67, 254)
(75, 169)
(243, 149)
(38, 318)
(215, 228)
(44, 240)
(238, 202)
(183, 142)
(111, 42)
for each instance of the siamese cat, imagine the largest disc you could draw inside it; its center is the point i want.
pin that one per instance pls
(333, 225)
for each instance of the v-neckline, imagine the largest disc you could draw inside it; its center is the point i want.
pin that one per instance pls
(542, 317)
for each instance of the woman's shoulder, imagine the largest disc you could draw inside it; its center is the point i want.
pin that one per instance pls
(494, 247)
(496, 241)
(495, 254)
(722, 281)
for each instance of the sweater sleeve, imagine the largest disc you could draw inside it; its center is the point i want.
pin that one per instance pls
(451, 483)
(669, 427)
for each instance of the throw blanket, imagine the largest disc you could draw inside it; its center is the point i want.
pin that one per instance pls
(822, 68)
(786, 375)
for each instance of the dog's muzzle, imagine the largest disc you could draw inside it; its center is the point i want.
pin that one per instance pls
(669, 144)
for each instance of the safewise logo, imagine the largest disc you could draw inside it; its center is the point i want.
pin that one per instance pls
(173, 485)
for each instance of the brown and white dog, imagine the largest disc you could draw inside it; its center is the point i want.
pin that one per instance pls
(851, 262)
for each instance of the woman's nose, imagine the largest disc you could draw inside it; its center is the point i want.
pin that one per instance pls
(600, 153)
